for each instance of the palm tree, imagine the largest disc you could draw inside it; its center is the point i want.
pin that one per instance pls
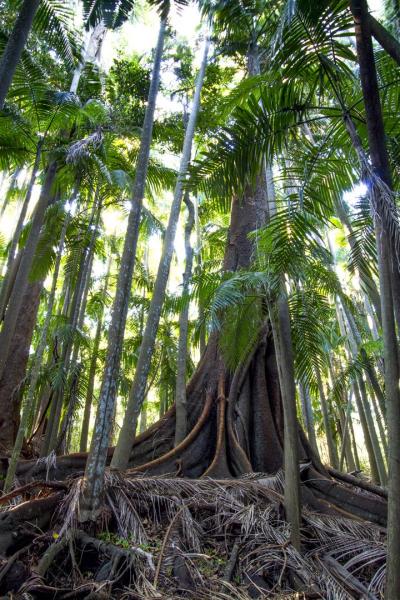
(122, 451)
(381, 186)
(97, 457)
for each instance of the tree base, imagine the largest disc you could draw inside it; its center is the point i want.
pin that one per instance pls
(169, 538)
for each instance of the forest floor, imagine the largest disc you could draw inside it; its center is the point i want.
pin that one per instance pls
(168, 538)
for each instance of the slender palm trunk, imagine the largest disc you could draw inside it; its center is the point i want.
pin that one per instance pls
(199, 263)
(21, 281)
(80, 319)
(143, 419)
(345, 450)
(350, 332)
(180, 391)
(98, 451)
(92, 370)
(367, 281)
(6, 285)
(345, 419)
(57, 436)
(11, 186)
(367, 438)
(284, 349)
(332, 450)
(15, 46)
(136, 397)
(308, 416)
(380, 463)
(29, 404)
(354, 445)
(387, 271)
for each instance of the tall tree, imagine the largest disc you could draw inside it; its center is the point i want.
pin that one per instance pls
(136, 397)
(381, 186)
(98, 451)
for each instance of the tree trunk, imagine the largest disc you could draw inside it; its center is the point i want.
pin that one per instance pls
(5, 287)
(77, 324)
(386, 262)
(99, 445)
(92, 371)
(372, 433)
(180, 391)
(198, 265)
(367, 438)
(284, 348)
(345, 451)
(15, 367)
(332, 450)
(136, 397)
(15, 46)
(367, 281)
(385, 38)
(29, 404)
(21, 281)
(308, 416)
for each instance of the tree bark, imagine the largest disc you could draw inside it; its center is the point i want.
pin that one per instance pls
(15, 367)
(284, 348)
(15, 46)
(21, 281)
(180, 391)
(29, 403)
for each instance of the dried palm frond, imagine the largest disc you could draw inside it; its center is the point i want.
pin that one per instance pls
(189, 528)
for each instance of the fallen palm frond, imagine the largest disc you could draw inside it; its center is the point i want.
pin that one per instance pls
(164, 537)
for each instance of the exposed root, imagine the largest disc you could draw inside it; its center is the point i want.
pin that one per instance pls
(199, 539)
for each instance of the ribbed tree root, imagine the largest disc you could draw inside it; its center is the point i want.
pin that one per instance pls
(178, 538)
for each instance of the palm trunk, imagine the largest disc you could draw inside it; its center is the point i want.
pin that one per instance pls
(29, 404)
(367, 281)
(345, 451)
(92, 371)
(6, 285)
(64, 365)
(332, 450)
(372, 433)
(123, 448)
(354, 445)
(57, 437)
(284, 350)
(80, 319)
(12, 184)
(385, 38)
(21, 281)
(15, 46)
(98, 451)
(381, 168)
(308, 416)
(199, 263)
(345, 418)
(367, 437)
(180, 391)
(349, 330)
(143, 419)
